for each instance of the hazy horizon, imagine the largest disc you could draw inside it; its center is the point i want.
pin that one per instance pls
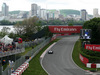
(25, 5)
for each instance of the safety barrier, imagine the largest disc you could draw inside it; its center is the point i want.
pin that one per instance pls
(43, 54)
(83, 59)
(21, 69)
(93, 65)
(86, 62)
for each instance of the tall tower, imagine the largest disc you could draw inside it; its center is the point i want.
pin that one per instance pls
(43, 14)
(34, 9)
(83, 15)
(38, 11)
(95, 12)
(5, 9)
(56, 14)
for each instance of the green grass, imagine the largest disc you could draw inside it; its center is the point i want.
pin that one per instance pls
(35, 66)
(75, 56)
(4, 66)
(26, 51)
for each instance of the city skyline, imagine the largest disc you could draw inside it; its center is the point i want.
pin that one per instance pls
(25, 5)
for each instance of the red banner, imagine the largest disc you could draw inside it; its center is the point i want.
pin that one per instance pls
(54, 37)
(65, 29)
(83, 59)
(92, 47)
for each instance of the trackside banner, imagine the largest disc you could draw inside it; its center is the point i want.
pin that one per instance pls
(65, 29)
(92, 47)
(83, 59)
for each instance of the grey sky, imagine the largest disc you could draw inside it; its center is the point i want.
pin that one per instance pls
(89, 5)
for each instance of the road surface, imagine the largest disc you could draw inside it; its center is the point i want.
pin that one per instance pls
(60, 62)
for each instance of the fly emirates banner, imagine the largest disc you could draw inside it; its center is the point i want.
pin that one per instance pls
(92, 47)
(65, 29)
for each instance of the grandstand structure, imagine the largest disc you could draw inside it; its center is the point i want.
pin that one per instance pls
(8, 53)
(8, 47)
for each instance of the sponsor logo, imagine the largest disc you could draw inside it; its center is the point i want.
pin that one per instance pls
(65, 29)
(81, 58)
(93, 47)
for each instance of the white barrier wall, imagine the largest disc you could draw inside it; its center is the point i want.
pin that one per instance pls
(88, 65)
(21, 69)
(93, 65)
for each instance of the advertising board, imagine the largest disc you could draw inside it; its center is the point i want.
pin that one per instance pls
(92, 47)
(83, 59)
(85, 34)
(65, 29)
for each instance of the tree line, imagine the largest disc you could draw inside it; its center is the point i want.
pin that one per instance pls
(61, 22)
(26, 29)
(48, 22)
(94, 25)
(6, 22)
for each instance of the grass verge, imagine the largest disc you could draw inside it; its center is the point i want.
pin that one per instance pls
(75, 56)
(35, 66)
(4, 66)
(26, 51)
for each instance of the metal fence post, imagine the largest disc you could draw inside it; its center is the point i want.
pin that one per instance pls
(0, 66)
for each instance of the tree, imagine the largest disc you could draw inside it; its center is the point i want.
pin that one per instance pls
(28, 27)
(19, 28)
(94, 25)
(61, 22)
(5, 31)
(70, 24)
(47, 32)
(6, 22)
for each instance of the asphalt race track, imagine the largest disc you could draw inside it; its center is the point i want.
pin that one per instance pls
(60, 62)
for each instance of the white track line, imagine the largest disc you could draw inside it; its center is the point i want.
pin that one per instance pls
(43, 54)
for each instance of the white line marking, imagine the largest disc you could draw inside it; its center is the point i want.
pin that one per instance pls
(42, 56)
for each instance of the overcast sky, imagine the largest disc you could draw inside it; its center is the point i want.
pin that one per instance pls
(89, 5)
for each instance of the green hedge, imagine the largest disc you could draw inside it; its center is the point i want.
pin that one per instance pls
(90, 52)
(93, 56)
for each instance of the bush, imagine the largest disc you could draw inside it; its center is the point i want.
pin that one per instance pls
(93, 56)
(94, 25)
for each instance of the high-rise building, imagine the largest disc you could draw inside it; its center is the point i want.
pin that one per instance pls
(38, 11)
(51, 15)
(29, 14)
(95, 12)
(5, 9)
(48, 15)
(34, 9)
(56, 14)
(43, 14)
(83, 15)
(61, 17)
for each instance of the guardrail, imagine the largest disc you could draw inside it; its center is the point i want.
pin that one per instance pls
(21, 69)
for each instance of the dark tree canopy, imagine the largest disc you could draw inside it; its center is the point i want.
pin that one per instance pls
(61, 22)
(94, 25)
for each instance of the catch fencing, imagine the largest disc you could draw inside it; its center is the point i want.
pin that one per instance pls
(30, 54)
(21, 47)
